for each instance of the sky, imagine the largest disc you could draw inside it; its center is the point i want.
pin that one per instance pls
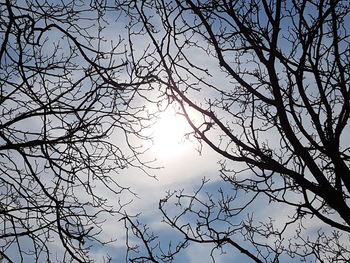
(185, 167)
(182, 167)
(178, 165)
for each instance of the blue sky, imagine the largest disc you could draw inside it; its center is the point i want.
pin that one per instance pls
(183, 166)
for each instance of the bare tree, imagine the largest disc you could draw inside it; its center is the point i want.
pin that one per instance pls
(64, 93)
(271, 82)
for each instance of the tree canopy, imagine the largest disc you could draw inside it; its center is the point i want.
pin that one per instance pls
(65, 91)
(271, 82)
(265, 84)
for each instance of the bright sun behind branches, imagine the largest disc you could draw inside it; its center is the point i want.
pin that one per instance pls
(169, 135)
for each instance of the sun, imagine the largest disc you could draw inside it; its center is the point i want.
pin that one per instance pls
(169, 134)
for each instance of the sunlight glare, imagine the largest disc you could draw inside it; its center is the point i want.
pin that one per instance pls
(168, 135)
